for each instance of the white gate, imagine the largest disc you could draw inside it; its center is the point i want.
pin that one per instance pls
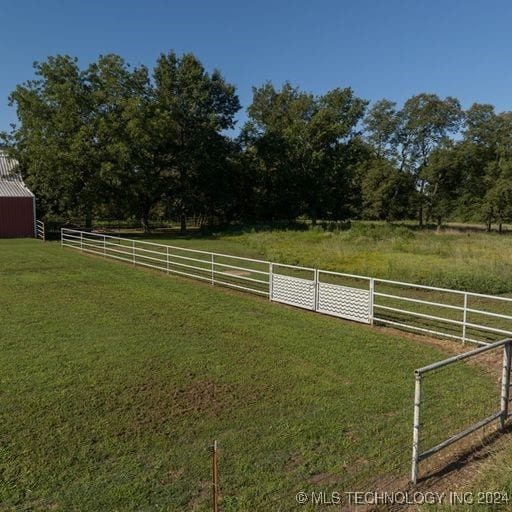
(303, 287)
(345, 302)
(291, 289)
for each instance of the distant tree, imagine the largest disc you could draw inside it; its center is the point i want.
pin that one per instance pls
(303, 148)
(485, 156)
(387, 193)
(192, 109)
(427, 121)
(56, 142)
(497, 202)
(382, 126)
(408, 137)
(112, 135)
(123, 121)
(274, 139)
(444, 181)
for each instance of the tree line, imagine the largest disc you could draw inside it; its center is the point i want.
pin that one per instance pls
(112, 140)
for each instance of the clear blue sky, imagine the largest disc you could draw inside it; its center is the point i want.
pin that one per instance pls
(386, 48)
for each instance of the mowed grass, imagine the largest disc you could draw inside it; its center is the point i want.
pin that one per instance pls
(115, 381)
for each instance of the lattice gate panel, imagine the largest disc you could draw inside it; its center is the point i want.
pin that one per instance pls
(294, 291)
(345, 302)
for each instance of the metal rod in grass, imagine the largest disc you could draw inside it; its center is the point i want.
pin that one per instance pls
(215, 479)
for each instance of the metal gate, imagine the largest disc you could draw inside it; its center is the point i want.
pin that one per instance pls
(310, 289)
(496, 410)
(292, 285)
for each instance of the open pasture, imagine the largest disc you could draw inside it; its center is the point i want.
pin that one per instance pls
(459, 259)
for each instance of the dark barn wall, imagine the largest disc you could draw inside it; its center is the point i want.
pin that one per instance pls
(16, 217)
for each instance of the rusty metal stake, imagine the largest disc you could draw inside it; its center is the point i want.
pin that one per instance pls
(215, 479)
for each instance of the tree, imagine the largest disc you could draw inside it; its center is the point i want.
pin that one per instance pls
(382, 126)
(444, 180)
(273, 139)
(409, 137)
(485, 154)
(112, 137)
(303, 148)
(56, 142)
(497, 202)
(123, 126)
(426, 123)
(387, 193)
(192, 108)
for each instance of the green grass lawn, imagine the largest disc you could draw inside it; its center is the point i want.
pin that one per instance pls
(115, 381)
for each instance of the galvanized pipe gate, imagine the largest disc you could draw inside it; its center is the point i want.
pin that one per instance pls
(502, 415)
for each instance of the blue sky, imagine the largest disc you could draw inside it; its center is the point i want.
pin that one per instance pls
(386, 48)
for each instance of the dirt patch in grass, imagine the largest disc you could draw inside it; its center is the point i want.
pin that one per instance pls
(324, 479)
(295, 461)
(201, 496)
(235, 272)
(155, 405)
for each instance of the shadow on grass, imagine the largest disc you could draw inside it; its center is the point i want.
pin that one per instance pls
(465, 455)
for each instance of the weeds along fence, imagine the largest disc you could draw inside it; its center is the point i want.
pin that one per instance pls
(469, 317)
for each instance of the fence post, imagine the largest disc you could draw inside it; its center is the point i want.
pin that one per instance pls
(270, 280)
(133, 251)
(62, 237)
(167, 251)
(416, 428)
(81, 241)
(215, 478)
(317, 286)
(464, 318)
(104, 246)
(505, 384)
(372, 291)
(213, 271)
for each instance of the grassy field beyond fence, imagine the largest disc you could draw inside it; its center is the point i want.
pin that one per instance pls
(471, 260)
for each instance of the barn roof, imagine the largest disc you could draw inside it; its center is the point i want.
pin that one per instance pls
(11, 184)
(14, 189)
(8, 167)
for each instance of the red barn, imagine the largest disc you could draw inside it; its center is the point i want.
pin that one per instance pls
(17, 203)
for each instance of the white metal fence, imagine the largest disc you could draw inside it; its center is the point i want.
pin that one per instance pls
(40, 230)
(476, 403)
(465, 316)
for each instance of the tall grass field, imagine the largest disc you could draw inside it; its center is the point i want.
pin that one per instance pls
(469, 260)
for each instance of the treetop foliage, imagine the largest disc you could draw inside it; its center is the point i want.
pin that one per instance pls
(121, 141)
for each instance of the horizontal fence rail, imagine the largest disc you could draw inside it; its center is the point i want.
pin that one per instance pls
(498, 407)
(465, 316)
(237, 272)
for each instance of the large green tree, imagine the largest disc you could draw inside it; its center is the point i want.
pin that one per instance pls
(192, 108)
(408, 137)
(426, 123)
(56, 142)
(304, 148)
(123, 114)
(113, 138)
